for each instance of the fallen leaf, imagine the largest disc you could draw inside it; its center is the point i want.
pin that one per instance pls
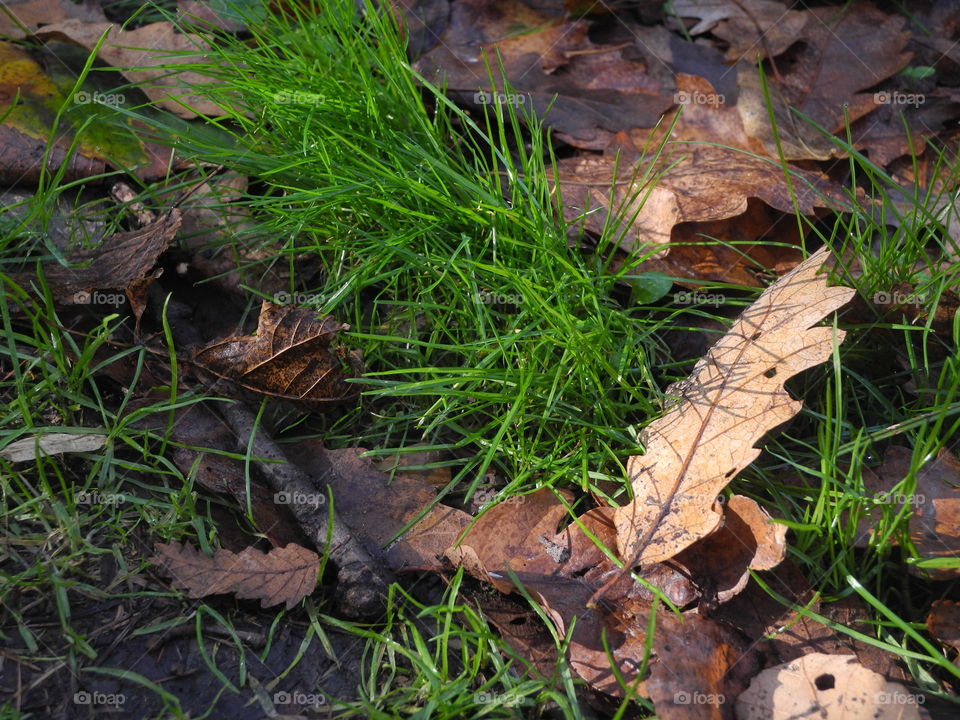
(943, 622)
(825, 687)
(52, 444)
(116, 263)
(146, 56)
(701, 667)
(377, 508)
(752, 28)
(21, 18)
(686, 183)
(733, 397)
(747, 540)
(782, 633)
(283, 575)
(32, 98)
(291, 357)
(561, 570)
(845, 51)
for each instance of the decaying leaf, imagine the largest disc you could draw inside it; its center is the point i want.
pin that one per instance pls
(145, 56)
(825, 687)
(52, 444)
(747, 540)
(733, 397)
(283, 575)
(116, 263)
(291, 357)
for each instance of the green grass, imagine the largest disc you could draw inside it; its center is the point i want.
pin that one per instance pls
(486, 334)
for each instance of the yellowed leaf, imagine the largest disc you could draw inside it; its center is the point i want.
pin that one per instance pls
(732, 398)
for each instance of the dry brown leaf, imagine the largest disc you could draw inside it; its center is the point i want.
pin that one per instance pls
(561, 570)
(753, 28)
(747, 540)
(701, 667)
(733, 397)
(688, 183)
(144, 56)
(20, 18)
(825, 687)
(283, 575)
(292, 357)
(376, 508)
(943, 622)
(782, 633)
(119, 261)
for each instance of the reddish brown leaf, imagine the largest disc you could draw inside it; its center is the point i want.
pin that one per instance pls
(283, 575)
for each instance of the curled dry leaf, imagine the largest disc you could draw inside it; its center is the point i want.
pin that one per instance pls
(687, 183)
(825, 687)
(292, 357)
(747, 540)
(733, 397)
(119, 261)
(283, 575)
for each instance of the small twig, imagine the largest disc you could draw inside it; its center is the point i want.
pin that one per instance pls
(362, 585)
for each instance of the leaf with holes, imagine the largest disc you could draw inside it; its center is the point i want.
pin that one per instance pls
(733, 397)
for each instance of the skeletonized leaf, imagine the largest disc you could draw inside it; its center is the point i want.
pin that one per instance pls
(292, 357)
(732, 398)
(286, 574)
